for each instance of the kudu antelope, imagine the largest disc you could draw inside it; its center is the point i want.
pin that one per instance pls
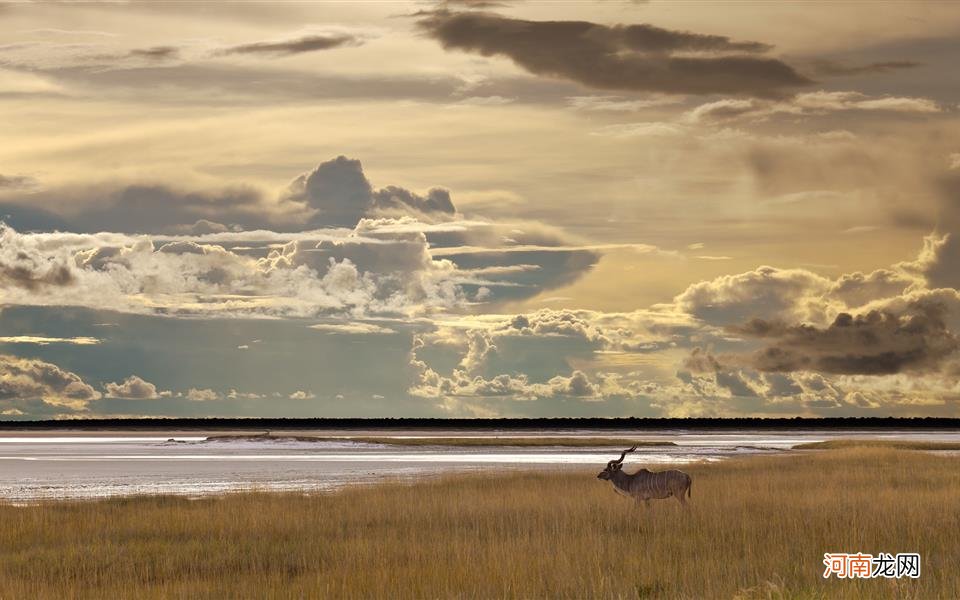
(646, 485)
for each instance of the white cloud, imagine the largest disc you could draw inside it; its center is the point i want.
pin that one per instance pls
(352, 328)
(133, 388)
(234, 395)
(201, 395)
(34, 379)
(383, 267)
(809, 103)
(44, 341)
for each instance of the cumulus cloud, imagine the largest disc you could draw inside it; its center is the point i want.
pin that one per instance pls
(386, 267)
(766, 292)
(518, 358)
(869, 344)
(24, 379)
(625, 57)
(518, 387)
(340, 193)
(461, 384)
(803, 313)
(200, 395)
(133, 388)
(568, 356)
(336, 193)
(401, 247)
(30, 270)
(404, 253)
(883, 342)
(548, 322)
(939, 261)
(858, 289)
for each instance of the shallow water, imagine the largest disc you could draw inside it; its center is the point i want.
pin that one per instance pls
(76, 466)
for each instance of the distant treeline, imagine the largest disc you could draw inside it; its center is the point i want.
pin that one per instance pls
(538, 423)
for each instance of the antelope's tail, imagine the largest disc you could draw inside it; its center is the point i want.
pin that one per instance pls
(689, 487)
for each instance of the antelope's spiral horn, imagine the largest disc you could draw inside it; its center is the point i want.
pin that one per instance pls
(622, 456)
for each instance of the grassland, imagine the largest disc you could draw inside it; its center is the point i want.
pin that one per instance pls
(873, 443)
(757, 528)
(453, 441)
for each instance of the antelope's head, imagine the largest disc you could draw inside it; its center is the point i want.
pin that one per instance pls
(614, 465)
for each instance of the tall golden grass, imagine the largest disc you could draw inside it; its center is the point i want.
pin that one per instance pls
(756, 528)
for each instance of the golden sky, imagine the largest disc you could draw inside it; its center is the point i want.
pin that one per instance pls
(498, 207)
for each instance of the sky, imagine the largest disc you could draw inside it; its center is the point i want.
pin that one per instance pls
(479, 209)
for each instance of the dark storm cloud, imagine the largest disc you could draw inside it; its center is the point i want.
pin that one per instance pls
(623, 57)
(830, 68)
(875, 343)
(341, 194)
(309, 43)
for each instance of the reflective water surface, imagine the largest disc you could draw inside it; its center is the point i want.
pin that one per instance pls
(81, 465)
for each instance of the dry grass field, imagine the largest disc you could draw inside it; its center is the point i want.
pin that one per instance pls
(757, 528)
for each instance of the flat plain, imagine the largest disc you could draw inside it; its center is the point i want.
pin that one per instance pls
(757, 527)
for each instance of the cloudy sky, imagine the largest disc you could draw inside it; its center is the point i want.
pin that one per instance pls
(479, 208)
